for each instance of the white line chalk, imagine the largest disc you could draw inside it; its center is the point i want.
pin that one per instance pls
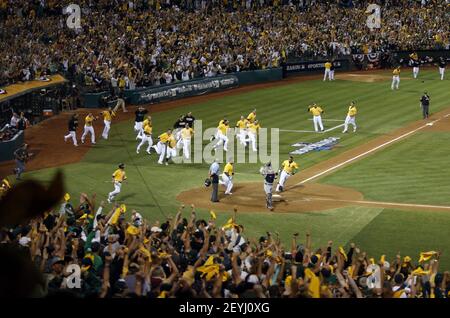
(365, 153)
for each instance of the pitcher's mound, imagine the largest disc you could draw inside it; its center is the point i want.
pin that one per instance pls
(250, 197)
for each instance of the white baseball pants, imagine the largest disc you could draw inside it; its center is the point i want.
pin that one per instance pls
(252, 138)
(441, 72)
(105, 132)
(73, 135)
(117, 187)
(186, 147)
(415, 71)
(222, 140)
(227, 182)
(88, 129)
(317, 120)
(350, 121)
(242, 136)
(145, 138)
(283, 178)
(327, 73)
(395, 82)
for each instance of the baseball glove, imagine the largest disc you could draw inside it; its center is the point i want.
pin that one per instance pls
(207, 182)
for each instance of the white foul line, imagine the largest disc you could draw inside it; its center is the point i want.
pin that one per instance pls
(340, 120)
(387, 203)
(365, 153)
(312, 131)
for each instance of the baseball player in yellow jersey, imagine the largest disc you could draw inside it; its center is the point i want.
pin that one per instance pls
(147, 121)
(316, 111)
(227, 177)
(222, 131)
(161, 146)
(241, 127)
(171, 149)
(118, 177)
(288, 168)
(252, 131)
(327, 71)
(395, 78)
(216, 135)
(252, 116)
(88, 128)
(107, 117)
(351, 117)
(185, 141)
(146, 137)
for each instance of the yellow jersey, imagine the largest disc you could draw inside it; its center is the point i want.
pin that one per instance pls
(252, 127)
(172, 141)
(352, 111)
(223, 128)
(327, 65)
(228, 169)
(164, 137)
(242, 124)
(289, 166)
(148, 129)
(147, 122)
(251, 117)
(315, 110)
(107, 115)
(119, 175)
(396, 72)
(186, 133)
(88, 120)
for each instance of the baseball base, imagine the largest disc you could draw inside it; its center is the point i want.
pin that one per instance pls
(276, 198)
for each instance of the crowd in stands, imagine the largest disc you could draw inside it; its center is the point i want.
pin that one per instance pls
(121, 254)
(133, 43)
(17, 123)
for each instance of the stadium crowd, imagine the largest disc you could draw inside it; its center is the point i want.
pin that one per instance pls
(127, 44)
(121, 254)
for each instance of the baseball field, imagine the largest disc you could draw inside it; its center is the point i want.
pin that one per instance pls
(385, 187)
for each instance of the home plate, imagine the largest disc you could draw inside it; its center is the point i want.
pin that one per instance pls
(277, 198)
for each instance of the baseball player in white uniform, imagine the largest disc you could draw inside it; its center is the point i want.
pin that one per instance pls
(351, 117)
(395, 78)
(222, 131)
(316, 111)
(227, 177)
(288, 168)
(185, 141)
(89, 128)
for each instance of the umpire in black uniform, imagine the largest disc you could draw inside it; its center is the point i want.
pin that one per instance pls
(425, 104)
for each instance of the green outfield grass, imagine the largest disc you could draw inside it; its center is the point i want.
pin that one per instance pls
(411, 171)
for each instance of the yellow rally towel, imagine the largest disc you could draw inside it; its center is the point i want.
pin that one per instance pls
(145, 251)
(133, 230)
(117, 213)
(230, 224)
(66, 197)
(419, 271)
(341, 250)
(209, 268)
(213, 215)
(425, 256)
(314, 284)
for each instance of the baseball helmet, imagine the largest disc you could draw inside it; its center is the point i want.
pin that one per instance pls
(207, 182)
